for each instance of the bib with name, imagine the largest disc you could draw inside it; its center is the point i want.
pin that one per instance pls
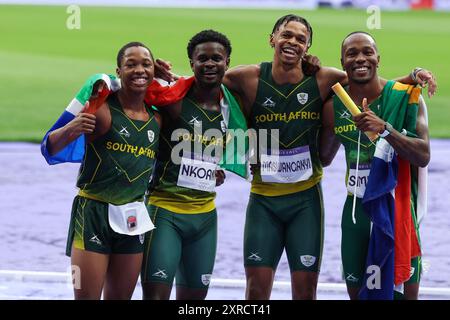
(198, 174)
(287, 166)
(358, 180)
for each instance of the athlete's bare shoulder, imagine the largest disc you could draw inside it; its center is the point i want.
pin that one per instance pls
(236, 76)
(243, 82)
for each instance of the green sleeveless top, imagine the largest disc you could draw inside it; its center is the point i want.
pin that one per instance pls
(118, 165)
(189, 188)
(347, 133)
(293, 109)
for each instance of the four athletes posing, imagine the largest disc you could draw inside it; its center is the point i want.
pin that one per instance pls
(285, 211)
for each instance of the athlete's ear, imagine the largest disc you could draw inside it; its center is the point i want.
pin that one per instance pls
(342, 64)
(191, 63)
(228, 63)
(271, 41)
(118, 72)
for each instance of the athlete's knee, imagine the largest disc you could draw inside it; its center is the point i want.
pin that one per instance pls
(87, 294)
(191, 294)
(153, 291)
(117, 295)
(257, 292)
(258, 289)
(304, 292)
(304, 285)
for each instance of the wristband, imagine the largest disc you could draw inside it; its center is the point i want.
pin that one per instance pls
(414, 73)
(387, 130)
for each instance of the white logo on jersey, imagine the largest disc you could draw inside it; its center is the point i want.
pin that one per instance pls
(254, 257)
(124, 132)
(151, 135)
(206, 279)
(350, 277)
(160, 274)
(95, 240)
(302, 97)
(268, 103)
(345, 115)
(142, 238)
(194, 121)
(307, 260)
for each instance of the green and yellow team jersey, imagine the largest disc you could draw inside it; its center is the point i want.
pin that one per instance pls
(293, 109)
(398, 105)
(186, 184)
(118, 165)
(347, 133)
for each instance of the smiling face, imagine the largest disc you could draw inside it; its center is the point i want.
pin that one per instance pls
(209, 63)
(136, 69)
(359, 57)
(290, 42)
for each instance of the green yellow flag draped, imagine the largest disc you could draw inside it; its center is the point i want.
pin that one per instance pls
(234, 158)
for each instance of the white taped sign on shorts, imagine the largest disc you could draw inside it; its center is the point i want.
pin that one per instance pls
(131, 219)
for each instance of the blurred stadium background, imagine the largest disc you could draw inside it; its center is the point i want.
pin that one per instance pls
(43, 63)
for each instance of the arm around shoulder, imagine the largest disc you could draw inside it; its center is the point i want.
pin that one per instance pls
(236, 77)
(243, 83)
(327, 77)
(329, 143)
(415, 150)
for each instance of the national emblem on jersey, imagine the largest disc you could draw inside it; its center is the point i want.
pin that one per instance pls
(151, 135)
(302, 97)
(206, 279)
(307, 260)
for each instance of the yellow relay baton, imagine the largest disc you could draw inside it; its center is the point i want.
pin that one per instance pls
(351, 106)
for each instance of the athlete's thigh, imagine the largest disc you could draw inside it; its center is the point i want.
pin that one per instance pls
(123, 272)
(355, 243)
(263, 233)
(305, 231)
(89, 272)
(162, 248)
(199, 252)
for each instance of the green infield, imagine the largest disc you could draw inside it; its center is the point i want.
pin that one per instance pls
(43, 63)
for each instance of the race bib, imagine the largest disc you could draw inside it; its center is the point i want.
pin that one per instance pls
(288, 166)
(359, 181)
(197, 174)
(130, 219)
